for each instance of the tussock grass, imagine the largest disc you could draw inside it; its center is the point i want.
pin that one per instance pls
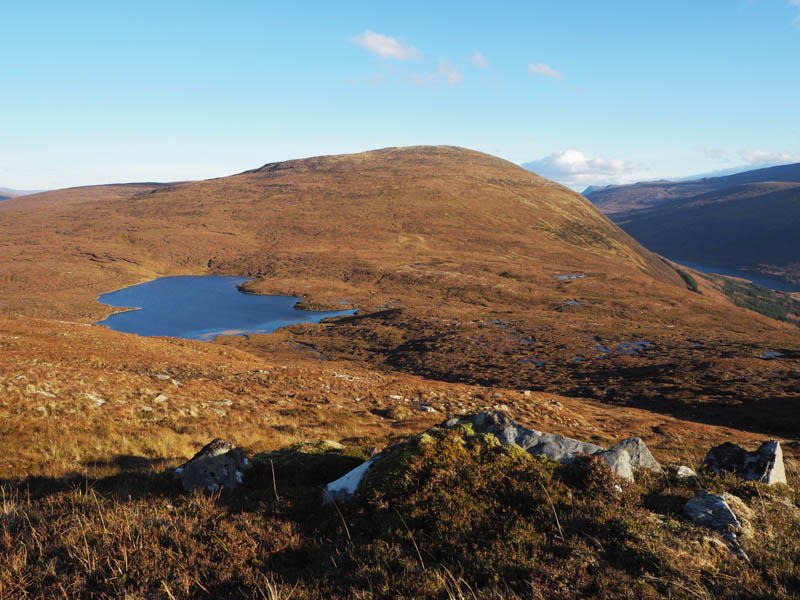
(449, 514)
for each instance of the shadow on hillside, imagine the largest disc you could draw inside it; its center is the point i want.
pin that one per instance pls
(296, 476)
(133, 477)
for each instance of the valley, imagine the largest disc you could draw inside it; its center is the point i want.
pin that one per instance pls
(744, 221)
(474, 286)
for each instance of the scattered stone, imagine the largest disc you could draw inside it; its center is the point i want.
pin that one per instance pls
(683, 472)
(426, 408)
(764, 465)
(638, 453)
(218, 464)
(161, 398)
(619, 461)
(162, 377)
(713, 510)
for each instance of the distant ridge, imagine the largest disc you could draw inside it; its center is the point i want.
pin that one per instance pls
(8, 193)
(620, 199)
(748, 220)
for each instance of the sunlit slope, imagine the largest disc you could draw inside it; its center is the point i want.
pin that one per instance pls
(342, 219)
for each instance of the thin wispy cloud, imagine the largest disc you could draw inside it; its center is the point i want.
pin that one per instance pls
(386, 46)
(544, 70)
(573, 169)
(796, 20)
(479, 61)
(447, 72)
(759, 157)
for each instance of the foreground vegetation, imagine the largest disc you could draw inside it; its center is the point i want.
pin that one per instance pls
(449, 514)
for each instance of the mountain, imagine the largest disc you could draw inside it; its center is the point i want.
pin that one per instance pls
(479, 286)
(7, 193)
(621, 199)
(465, 268)
(745, 221)
(387, 215)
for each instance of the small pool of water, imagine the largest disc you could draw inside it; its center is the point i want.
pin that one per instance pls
(203, 307)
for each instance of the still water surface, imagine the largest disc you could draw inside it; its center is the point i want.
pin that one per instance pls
(203, 307)
(767, 282)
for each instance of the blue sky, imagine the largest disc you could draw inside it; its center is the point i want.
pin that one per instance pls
(587, 91)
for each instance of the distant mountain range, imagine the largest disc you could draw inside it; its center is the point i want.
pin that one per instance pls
(749, 220)
(6, 193)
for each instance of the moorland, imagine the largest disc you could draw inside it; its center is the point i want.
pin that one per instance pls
(479, 286)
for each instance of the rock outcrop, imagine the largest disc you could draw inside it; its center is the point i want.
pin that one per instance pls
(629, 454)
(218, 464)
(714, 511)
(550, 445)
(764, 465)
(623, 458)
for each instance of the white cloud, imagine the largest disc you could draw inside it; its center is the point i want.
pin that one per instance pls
(545, 70)
(480, 61)
(386, 46)
(446, 72)
(449, 72)
(573, 169)
(426, 80)
(761, 158)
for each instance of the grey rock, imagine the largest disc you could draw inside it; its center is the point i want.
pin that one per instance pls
(629, 454)
(712, 510)
(683, 472)
(218, 464)
(764, 465)
(553, 446)
(619, 461)
(641, 458)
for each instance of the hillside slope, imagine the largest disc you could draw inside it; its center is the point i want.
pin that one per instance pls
(621, 199)
(464, 268)
(479, 286)
(347, 218)
(750, 226)
(745, 221)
